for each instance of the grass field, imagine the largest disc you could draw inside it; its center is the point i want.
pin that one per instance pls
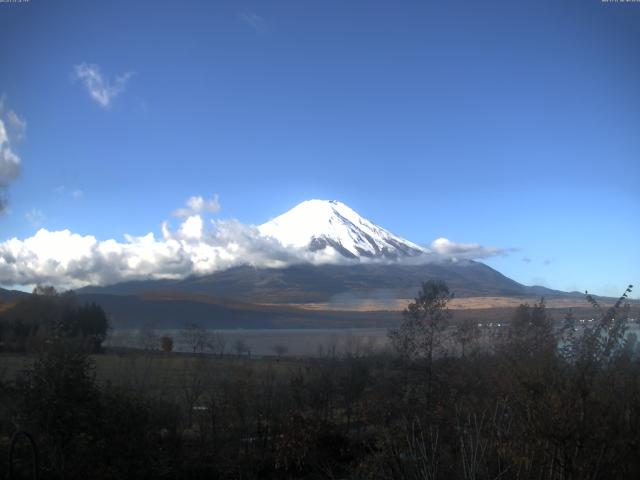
(160, 374)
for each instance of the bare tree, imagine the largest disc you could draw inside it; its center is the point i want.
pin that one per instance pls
(166, 343)
(194, 337)
(425, 320)
(147, 338)
(215, 343)
(280, 350)
(358, 346)
(466, 333)
(240, 347)
(421, 332)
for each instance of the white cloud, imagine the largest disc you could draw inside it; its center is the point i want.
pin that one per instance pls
(100, 88)
(192, 229)
(69, 260)
(12, 130)
(35, 217)
(446, 248)
(196, 247)
(76, 194)
(9, 161)
(19, 125)
(254, 21)
(197, 205)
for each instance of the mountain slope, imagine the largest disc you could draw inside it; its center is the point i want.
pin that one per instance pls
(322, 283)
(131, 311)
(8, 296)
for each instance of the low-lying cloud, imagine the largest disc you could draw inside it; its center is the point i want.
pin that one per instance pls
(197, 246)
(469, 251)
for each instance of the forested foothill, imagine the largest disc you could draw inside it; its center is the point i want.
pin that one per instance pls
(537, 401)
(35, 321)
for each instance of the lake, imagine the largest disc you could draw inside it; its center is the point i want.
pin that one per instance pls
(298, 342)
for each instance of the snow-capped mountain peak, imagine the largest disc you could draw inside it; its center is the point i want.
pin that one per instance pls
(321, 224)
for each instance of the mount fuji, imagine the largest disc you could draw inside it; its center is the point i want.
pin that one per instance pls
(359, 262)
(349, 255)
(329, 225)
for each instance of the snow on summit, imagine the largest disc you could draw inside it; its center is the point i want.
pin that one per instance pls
(329, 224)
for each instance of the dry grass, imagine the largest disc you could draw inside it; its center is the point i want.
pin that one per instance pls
(466, 303)
(155, 372)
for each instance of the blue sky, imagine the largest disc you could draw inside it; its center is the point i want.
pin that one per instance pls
(508, 124)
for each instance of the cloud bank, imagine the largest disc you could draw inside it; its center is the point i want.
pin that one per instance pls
(69, 260)
(102, 90)
(197, 246)
(12, 130)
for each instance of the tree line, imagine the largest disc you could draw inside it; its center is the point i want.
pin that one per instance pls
(46, 316)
